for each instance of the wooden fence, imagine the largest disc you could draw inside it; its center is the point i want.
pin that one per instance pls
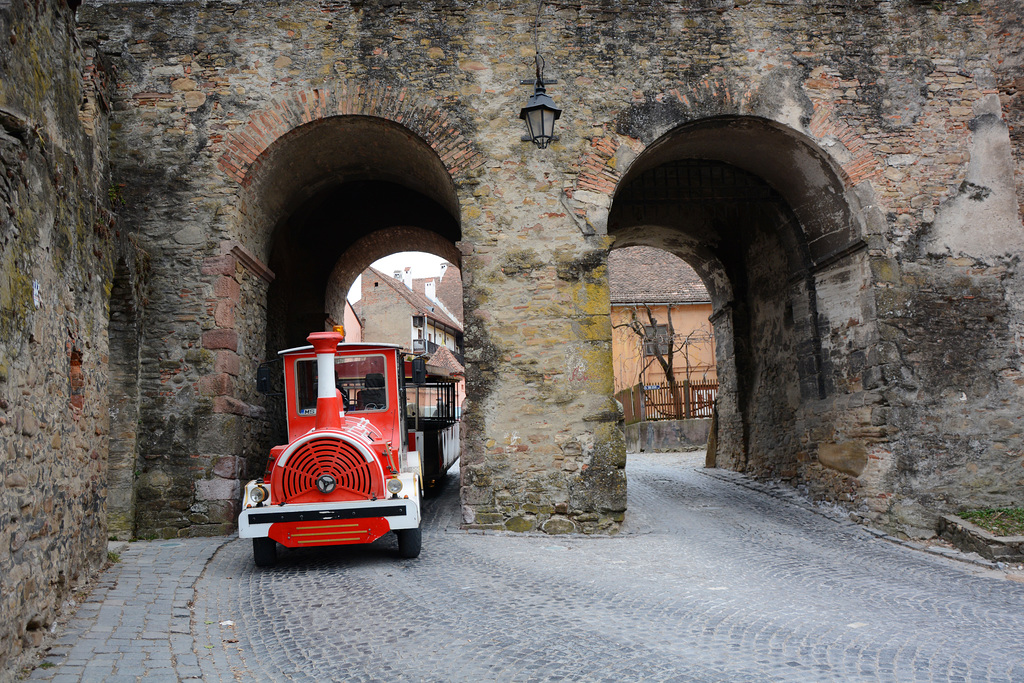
(673, 401)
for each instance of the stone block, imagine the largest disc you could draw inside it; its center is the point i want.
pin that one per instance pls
(559, 525)
(227, 467)
(600, 489)
(609, 446)
(850, 457)
(195, 99)
(521, 524)
(220, 339)
(226, 361)
(224, 314)
(218, 489)
(477, 495)
(227, 288)
(231, 405)
(219, 265)
(215, 385)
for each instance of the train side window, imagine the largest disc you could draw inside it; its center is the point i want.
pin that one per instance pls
(305, 387)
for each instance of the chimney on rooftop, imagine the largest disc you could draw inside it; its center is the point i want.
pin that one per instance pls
(404, 276)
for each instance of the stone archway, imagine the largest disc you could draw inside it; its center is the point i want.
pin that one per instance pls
(320, 204)
(376, 245)
(772, 226)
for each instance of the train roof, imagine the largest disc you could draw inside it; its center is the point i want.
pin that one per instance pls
(343, 346)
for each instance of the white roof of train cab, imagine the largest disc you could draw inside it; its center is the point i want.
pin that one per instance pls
(343, 346)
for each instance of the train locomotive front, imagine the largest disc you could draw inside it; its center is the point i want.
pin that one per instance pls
(346, 475)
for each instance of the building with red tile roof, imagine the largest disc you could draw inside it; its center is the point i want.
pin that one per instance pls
(660, 310)
(393, 311)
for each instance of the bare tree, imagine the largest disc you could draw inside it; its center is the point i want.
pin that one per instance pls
(661, 343)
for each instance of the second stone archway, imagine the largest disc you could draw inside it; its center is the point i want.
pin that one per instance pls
(776, 232)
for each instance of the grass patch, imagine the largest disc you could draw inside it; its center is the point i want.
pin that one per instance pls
(999, 521)
(113, 557)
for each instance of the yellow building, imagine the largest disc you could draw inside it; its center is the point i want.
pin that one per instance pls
(660, 312)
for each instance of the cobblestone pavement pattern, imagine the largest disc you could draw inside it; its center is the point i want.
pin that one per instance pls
(714, 580)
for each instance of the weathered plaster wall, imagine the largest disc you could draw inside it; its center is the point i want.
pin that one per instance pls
(57, 254)
(391, 321)
(906, 107)
(693, 344)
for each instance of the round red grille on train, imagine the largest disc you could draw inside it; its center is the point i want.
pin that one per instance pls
(340, 470)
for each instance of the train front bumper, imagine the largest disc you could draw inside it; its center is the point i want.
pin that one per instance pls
(330, 523)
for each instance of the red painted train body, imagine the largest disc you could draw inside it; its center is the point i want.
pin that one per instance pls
(347, 474)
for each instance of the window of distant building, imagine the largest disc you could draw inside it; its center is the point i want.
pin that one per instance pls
(656, 340)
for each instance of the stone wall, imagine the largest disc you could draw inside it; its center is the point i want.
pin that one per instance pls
(665, 436)
(58, 246)
(867, 324)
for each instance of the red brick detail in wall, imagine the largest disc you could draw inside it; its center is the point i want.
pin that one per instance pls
(708, 94)
(438, 128)
(596, 171)
(864, 163)
(222, 340)
(77, 379)
(223, 271)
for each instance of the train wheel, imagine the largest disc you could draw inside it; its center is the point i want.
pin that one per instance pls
(264, 552)
(409, 542)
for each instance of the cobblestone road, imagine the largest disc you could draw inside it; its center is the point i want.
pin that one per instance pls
(713, 580)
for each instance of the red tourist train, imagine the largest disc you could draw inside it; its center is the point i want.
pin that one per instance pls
(361, 447)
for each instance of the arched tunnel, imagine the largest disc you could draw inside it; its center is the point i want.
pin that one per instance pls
(756, 211)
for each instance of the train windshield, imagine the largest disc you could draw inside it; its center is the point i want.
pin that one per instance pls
(362, 380)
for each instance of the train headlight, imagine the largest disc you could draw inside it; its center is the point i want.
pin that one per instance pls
(257, 494)
(394, 486)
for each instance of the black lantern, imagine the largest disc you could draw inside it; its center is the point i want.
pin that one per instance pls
(540, 112)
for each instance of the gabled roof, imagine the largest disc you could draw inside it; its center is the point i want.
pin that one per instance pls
(420, 304)
(645, 275)
(443, 358)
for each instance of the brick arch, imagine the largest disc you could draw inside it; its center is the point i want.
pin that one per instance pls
(820, 186)
(437, 127)
(810, 239)
(650, 117)
(645, 119)
(825, 128)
